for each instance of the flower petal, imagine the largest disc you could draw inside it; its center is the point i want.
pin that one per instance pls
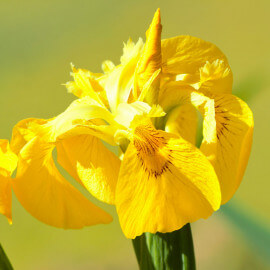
(46, 195)
(81, 109)
(23, 132)
(90, 163)
(215, 77)
(8, 163)
(126, 112)
(182, 121)
(5, 197)
(107, 66)
(186, 54)
(227, 132)
(230, 146)
(84, 84)
(119, 81)
(8, 160)
(84, 112)
(164, 183)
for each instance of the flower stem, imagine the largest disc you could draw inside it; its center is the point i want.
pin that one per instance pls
(165, 251)
(4, 262)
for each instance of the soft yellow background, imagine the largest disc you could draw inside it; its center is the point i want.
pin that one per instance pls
(38, 40)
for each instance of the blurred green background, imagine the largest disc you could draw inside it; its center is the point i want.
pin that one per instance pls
(38, 41)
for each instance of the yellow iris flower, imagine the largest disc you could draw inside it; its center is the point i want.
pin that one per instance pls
(147, 107)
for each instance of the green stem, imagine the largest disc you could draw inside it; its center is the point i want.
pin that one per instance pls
(4, 262)
(165, 251)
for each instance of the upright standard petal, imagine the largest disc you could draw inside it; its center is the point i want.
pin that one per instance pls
(164, 183)
(186, 55)
(91, 163)
(8, 163)
(47, 196)
(150, 61)
(119, 81)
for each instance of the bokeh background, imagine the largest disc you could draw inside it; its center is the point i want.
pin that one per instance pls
(39, 39)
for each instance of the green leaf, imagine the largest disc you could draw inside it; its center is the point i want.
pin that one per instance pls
(4, 262)
(255, 232)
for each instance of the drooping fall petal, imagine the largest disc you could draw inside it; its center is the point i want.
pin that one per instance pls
(227, 132)
(47, 196)
(8, 163)
(231, 145)
(8, 160)
(23, 133)
(5, 197)
(39, 186)
(164, 183)
(91, 163)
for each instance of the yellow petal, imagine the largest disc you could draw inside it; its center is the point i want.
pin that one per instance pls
(8, 160)
(150, 86)
(131, 50)
(164, 183)
(5, 197)
(215, 77)
(83, 116)
(186, 55)
(47, 196)
(84, 109)
(150, 61)
(85, 84)
(8, 163)
(182, 121)
(90, 163)
(126, 113)
(103, 132)
(227, 132)
(119, 82)
(231, 140)
(107, 66)
(23, 132)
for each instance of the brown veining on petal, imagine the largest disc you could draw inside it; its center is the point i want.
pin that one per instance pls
(151, 150)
